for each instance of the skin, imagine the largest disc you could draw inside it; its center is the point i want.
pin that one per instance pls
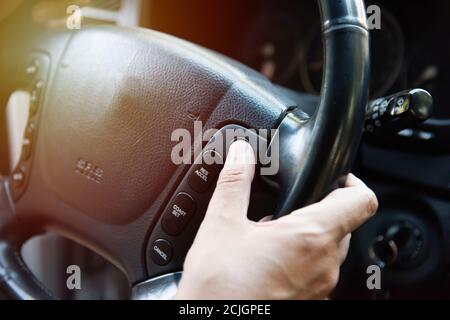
(295, 257)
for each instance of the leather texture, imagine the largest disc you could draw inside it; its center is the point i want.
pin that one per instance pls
(161, 83)
(117, 97)
(102, 171)
(16, 280)
(316, 153)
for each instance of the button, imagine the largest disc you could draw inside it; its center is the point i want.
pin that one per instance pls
(178, 214)
(18, 178)
(205, 174)
(32, 69)
(161, 252)
(27, 141)
(26, 149)
(35, 96)
(31, 127)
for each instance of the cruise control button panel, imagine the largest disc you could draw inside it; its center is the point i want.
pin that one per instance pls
(179, 220)
(35, 75)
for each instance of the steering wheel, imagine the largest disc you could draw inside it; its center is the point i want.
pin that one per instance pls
(96, 166)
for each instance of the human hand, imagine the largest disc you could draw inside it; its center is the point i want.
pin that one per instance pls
(295, 257)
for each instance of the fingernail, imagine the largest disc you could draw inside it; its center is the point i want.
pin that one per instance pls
(240, 153)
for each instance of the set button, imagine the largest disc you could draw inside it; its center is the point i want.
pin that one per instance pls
(178, 214)
(204, 175)
(161, 252)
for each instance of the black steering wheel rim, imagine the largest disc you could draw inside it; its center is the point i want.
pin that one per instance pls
(329, 138)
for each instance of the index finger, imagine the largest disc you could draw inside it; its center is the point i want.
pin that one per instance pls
(232, 194)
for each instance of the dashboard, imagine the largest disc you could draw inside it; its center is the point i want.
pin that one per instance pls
(281, 39)
(409, 170)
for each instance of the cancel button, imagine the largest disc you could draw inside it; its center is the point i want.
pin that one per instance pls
(178, 214)
(161, 252)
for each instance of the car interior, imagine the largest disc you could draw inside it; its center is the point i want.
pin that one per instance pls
(87, 113)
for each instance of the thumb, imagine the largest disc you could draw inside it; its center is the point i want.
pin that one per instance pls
(232, 195)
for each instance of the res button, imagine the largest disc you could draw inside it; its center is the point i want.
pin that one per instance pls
(178, 214)
(204, 175)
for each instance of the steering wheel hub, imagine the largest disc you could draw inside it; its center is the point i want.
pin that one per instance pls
(100, 169)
